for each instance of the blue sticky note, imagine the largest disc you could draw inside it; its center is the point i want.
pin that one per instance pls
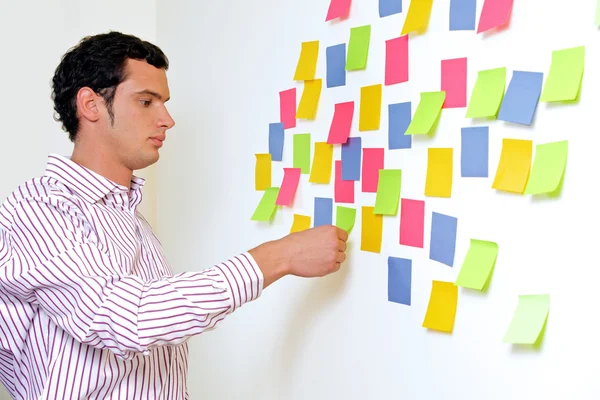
(462, 15)
(399, 117)
(351, 159)
(323, 211)
(336, 65)
(389, 7)
(521, 97)
(443, 238)
(399, 280)
(276, 135)
(474, 151)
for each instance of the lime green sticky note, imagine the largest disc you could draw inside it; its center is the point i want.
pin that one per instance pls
(388, 191)
(302, 152)
(426, 113)
(478, 264)
(566, 73)
(358, 47)
(597, 20)
(266, 207)
(529, 319)
(548, 167)
(487, 94)
(345, 217)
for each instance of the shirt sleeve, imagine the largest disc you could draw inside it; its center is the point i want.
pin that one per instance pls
(56, 262)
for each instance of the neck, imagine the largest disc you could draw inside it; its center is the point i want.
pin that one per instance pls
(94, 157)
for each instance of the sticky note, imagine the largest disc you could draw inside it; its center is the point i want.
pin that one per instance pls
(276, 136)
(417, 17)
(388, 191)
(336, 65)
(441, 310)
(396, 60)
(412, 222)
(528, 321)
(345, 218)
(442, 246)
(322, 163)
(494, 13)
(373, 160)
(343, 190)
(309, 102)
(358, 47)
(487, 94)
(323, 211)
(454, 82)
(514, 165)
(478, 264)
(597, 19)
(338, 9)
(370, 108)
(302, 152)
(372, 229)
(427, 113)
(399, 117)
(399, 280)
(301, 223)
(265, 209)
(474, 151)
(439, 172)
(548, 167)
(351, 159)
(521, 98)
(262, 171)
(389, 7)
(341, 123)
(289, 184)
(287, 108)
(565, 76)
(462, 15)
(307, 62)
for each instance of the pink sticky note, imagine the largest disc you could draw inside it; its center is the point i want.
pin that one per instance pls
(396, 60)
(412, 222)
(291, 176)
(287, 108)
(341, 123)
(372, 163)
(454, 82)
(494, 13)
(338, 9)
(344, 190)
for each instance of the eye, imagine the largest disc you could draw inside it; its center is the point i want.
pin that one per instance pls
(145, 103)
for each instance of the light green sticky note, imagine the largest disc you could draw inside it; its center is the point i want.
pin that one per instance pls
(358, 47)
(566, 73)
(548, 167)
(597, 20)
(529, 319)
(478, 264)
(345, 217)
(388, 191)
(487, 94)
(302, 152)
(266, 207)
(426, 113)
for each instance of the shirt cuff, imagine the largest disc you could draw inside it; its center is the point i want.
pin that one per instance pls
(244, 279)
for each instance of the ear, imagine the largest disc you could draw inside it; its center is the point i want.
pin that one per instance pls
(88, 104)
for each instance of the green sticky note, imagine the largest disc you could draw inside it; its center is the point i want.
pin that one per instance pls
(426, 113)
(345, 217)
(478, 264)
(597, 20)
(266, 207)
(487, 94)
(302, 152)
(529, 319)
(388, 191)
(548, 167)
(566, 73)
(358, 47)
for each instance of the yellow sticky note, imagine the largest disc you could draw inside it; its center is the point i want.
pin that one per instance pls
(372, 229)
(309, 102)
(262, 171)
(322, 162)
(439, 172)
(301, 223)
(514, 166)
(548, 167)
(307, 62)
(370, 108)
(417, 17)
(441, 310)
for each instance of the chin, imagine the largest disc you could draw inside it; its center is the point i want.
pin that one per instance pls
(144, 161)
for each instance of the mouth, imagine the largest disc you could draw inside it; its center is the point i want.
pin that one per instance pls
(157, 141)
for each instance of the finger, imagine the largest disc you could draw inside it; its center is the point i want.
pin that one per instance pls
(341, 245)
(342, 234)
(341, 257)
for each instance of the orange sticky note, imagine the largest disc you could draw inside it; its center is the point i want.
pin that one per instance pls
(514, 166)
(309, 102)
(417, 17)
(322, 163)
(370, 108)
(372, 228)
(291, 177)
(307, 62)
(454, 82)
(341, 123)
(439, 172)
(338, 9)
(441, 310)
(396, 60)
(344, 190)
(262, 171)
(301, 223)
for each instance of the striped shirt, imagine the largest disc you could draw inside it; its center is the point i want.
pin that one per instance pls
(89, 306)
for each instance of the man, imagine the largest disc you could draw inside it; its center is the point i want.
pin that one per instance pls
(89, 307)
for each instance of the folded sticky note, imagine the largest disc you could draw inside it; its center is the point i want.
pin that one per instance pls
(287, 108)
(345, 217)
(396, 60)
(399, 117)
(351, 159)
(373, 159)
(474, 151)
(338, 9)
(528, 320)
(301, 223)
(370, 108)
(462, 15)
(388, 191)
(307, 62)
(487, 94)
(336, 65)
(442, 244)
(322, 163)
(494, 13)
(399, 280)
(291, 177)
(412, 222)
(358, 47)
(454, 82)
(417, 17)
(521, 98)
(344, 190)
(548, 167)
(427, 113)
(478, 264)
(323, 209)
(372, 229)
(265, 209)
(566, 72)
(302, 152)
(341, 123)
(389, 7)
(276, 136)
(262, 171)
(309, 102)
(441, 310)
(514, 165)
(439, 172)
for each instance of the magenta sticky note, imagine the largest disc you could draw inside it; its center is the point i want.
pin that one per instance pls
(494, 13)
(412, 222)
(341, 123)
(344, 190)
(396, 60)
(372, 163)
(454, 82)
(287, 191)
(338, 9)
(287, 108)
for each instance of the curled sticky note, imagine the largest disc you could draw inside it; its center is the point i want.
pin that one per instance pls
(487, 93)
(529, 319)
(345, 217)
(265, 210)
(417, 17)
(301, 223)
(309, 102)
(427, 113)
(478, 264)
(548, 167)
(514, 166)
(307, 62)
(441, 310)
(566, 72)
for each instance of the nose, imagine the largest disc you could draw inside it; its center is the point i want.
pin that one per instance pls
(166, 121)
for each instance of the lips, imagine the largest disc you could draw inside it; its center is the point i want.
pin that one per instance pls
(158, 140)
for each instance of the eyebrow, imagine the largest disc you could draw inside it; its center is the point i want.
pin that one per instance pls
(153, 94)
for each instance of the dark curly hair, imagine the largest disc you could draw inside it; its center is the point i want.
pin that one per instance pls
(97, 62)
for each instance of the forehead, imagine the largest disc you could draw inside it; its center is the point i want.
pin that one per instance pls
(142, 76)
